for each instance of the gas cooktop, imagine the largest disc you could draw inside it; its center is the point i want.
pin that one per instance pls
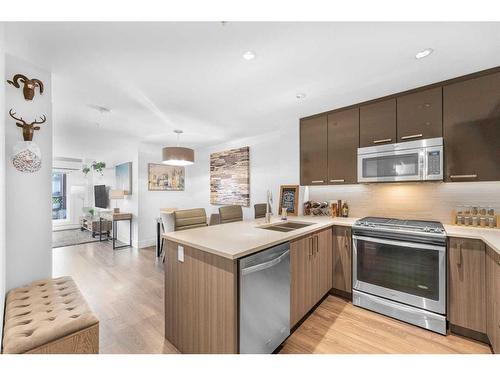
(420, 226)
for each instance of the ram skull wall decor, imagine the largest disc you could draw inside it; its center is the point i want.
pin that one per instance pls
(29, 85)
(26, 155)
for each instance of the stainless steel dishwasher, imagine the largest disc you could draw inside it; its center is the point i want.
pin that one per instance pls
(265, 299)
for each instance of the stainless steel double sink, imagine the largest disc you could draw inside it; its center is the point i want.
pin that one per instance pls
(286, 226)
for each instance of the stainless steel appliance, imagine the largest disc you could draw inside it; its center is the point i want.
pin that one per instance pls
(407, 161)
(399, 270)
(265, 299)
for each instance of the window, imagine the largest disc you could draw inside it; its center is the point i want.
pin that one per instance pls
(59, 199)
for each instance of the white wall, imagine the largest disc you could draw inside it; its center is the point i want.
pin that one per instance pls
(273, 162)
(150, 202)
(2, 177)
(269, 168)
(28, 204)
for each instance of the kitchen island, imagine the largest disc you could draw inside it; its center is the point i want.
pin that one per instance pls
(201, 277)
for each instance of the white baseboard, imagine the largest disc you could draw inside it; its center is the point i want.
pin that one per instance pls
(147, 243)
(56, 228)
(125, 240)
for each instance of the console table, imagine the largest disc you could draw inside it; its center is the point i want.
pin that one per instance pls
(95, 225)
(114, 217)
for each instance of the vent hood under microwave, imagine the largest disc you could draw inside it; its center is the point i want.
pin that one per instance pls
(420, 160)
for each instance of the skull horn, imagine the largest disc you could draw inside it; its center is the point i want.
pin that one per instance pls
(29, 85)
(16, 78)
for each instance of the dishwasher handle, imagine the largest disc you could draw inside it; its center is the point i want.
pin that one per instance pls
(265, 265)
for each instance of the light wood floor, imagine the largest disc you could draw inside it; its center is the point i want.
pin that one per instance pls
(125, 290)
(339, 327)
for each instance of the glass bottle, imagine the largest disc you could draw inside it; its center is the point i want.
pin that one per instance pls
(460, 215)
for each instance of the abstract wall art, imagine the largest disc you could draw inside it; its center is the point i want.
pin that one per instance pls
(163, 177)
(229, 177)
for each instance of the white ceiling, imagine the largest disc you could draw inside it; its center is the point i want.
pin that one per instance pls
(157, 77)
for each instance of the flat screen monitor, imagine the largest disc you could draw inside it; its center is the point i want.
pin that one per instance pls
(100, 196)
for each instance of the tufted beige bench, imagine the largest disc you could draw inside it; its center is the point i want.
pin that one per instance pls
(49, 316)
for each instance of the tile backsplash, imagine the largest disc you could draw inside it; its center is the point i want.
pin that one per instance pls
(426, 201)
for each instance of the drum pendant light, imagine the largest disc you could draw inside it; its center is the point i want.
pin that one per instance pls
(178, 156)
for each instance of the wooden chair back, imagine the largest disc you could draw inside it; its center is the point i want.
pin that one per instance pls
(188, 219)
(229, 214)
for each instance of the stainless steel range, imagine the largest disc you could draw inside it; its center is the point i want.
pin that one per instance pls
(399, 270)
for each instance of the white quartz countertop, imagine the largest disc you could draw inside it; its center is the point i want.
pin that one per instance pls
(238, 239)
(489, 236)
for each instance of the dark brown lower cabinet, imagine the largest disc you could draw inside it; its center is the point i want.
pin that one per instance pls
(467, 287)
(493, 298)
(311, 271)
(342, 260)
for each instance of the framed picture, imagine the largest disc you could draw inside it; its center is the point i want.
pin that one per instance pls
(123, 177)
(163, 177)
(230, 177)
(289, 199)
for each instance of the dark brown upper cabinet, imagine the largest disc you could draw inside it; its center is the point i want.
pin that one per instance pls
(377, 123)
(343, 141)
(314, 151)
(471, 125)
(420, 115)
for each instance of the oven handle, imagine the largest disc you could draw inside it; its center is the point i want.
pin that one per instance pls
(413, 245)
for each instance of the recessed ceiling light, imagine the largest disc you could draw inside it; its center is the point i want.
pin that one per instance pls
(249, 55)
(426, 52)
(300, 95)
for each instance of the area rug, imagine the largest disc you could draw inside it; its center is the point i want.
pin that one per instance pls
(68, 237)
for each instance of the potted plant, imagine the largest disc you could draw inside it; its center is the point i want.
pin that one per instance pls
(99, 166)
(85, 169)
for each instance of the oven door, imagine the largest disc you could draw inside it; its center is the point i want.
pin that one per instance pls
(398, 165)
(407, 272)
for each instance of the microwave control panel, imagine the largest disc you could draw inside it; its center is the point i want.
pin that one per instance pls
(433, 162)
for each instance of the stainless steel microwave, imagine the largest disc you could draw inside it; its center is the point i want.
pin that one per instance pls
(420, 160)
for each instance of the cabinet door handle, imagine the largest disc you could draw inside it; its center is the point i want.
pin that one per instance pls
(382, 140)
(317, 243)
(463, 176)
(311, 245)
(459, 263)
(412, 136)
(317, 181)
(339, 180)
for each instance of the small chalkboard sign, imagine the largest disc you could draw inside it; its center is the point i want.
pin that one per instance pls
(289, 199)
